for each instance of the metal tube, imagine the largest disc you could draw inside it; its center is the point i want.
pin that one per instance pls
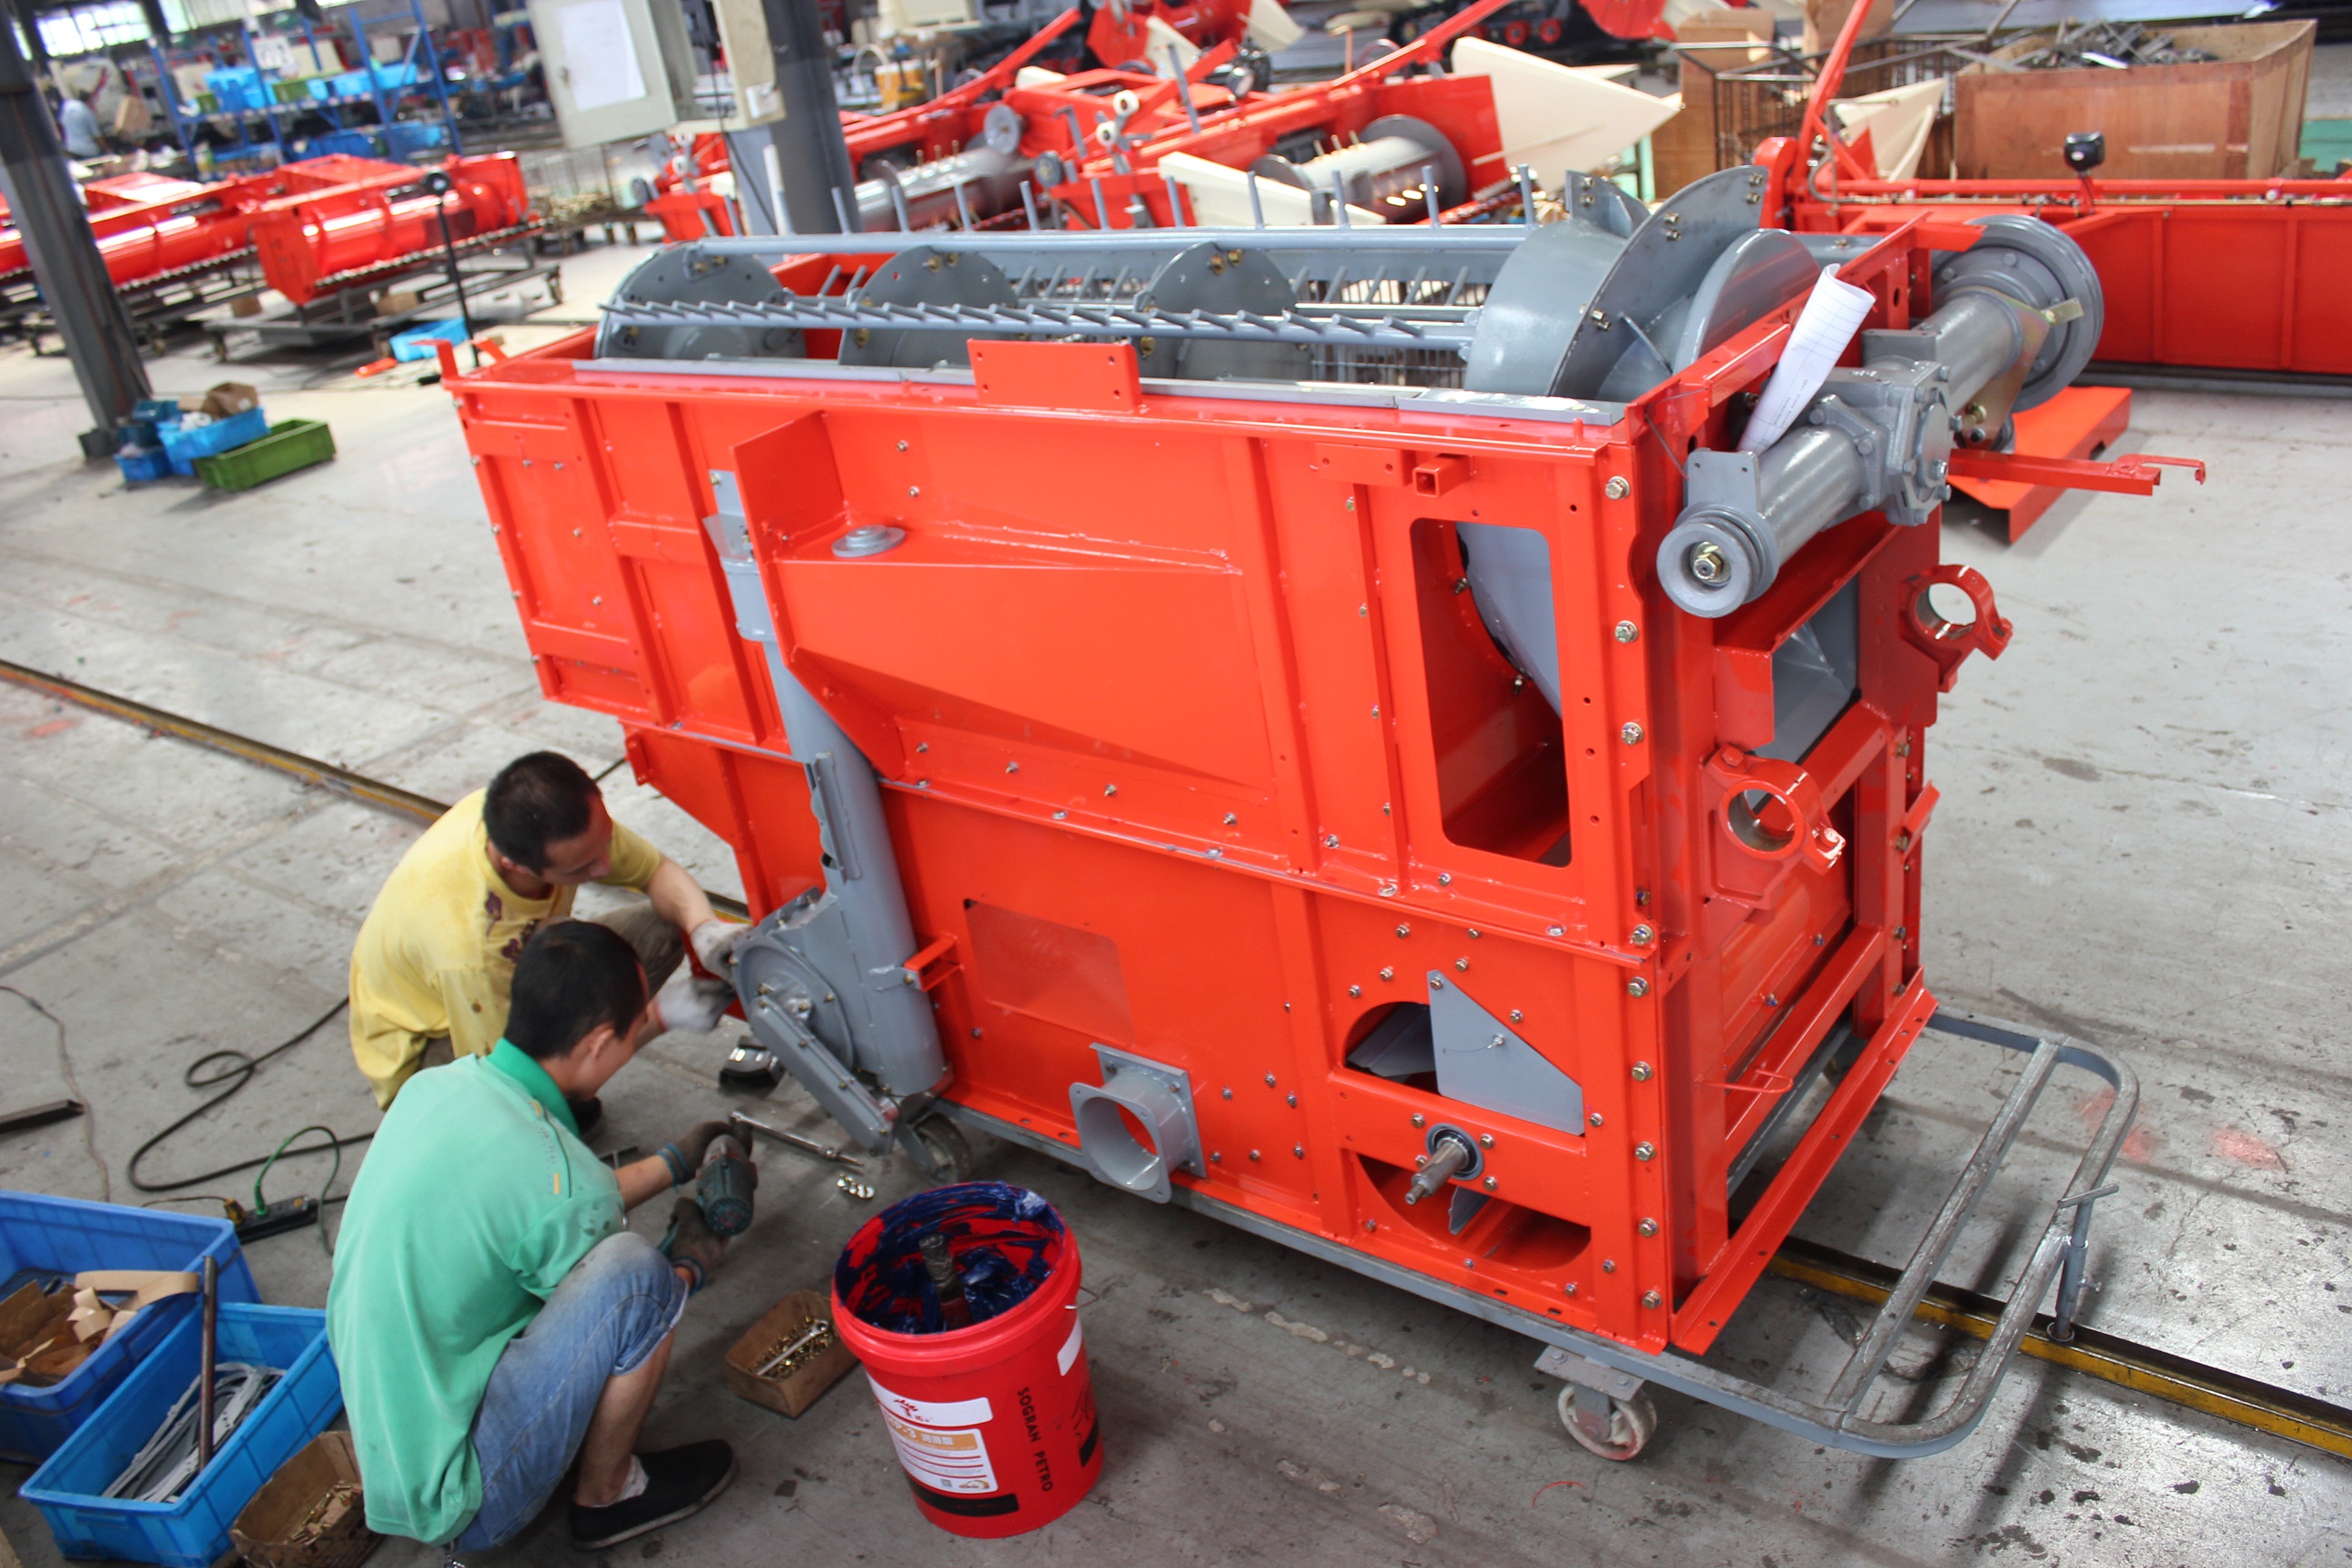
(208, 1353)
(1183, 90)
(1429, 189)
(1400, 236)
(1029, 204)
(1258, 202)
(1527, 195)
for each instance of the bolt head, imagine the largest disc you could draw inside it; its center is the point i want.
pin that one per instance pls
(1330, 841)
(1645, 1151)
(1231, 819)
(1637, 987)
(902, 445)
(1445, 878)
(1254, 1155)
(1012, 767)
(1386, 972)
(1404, 931)
(1298, 1150)
(1269, 1080)
(1709, 564)
(1643, 936)
(1631, 734)
(1227, 1092)
(1419, 1161)
(1419, 1120)
(1517, 1017)
(1489, 1184)
(1568, 1287)
(1110, 789)
(1355, 991)
(1627, 631)
(1608, 1266)
(1486, 1140)
(1461, 964)
(1595, 1118)
(1648, 1227)
(1641, 1072)
(1652, 1299)
(1616, 489)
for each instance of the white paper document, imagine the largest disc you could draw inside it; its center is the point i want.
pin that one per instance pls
(1834, 312)
(600, 59)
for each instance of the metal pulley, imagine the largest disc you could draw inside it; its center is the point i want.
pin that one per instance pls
(2020, 312)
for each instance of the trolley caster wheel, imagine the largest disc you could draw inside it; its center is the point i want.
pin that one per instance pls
(1631, 1422)
(939, 1149)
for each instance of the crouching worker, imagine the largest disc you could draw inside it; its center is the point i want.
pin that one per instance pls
(492, 1317)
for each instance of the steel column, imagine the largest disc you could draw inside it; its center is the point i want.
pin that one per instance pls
(67, 265)
(812, 157)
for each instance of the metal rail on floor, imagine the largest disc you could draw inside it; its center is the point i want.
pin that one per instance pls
(309, 770)
(2175, 1380)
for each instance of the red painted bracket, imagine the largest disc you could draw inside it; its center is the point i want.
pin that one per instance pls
(2135, 474)
(932, 964)
(1949, 643)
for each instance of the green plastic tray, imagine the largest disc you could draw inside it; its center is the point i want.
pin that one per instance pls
(291, 444)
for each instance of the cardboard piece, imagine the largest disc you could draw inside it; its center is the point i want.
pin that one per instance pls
(311, 1514)
(229, 399)
(1898, 121)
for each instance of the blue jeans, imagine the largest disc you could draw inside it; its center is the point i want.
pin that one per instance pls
(612, 1311)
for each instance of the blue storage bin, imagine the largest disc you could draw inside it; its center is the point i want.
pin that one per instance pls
(193, 1532)
(63, 1235)
(236, 87)
(352, 143)
(418, 342)
(404, 138)
(184, 443)
(156, 410)
(391, 78)
(143, 465)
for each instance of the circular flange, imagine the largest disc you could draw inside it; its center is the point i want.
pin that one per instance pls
(1212, 277)
(925, 275)
(999, 129)
(681, 275)
(2028, 260)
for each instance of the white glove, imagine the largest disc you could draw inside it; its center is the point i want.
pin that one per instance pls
(692, 1003)
(714, 944)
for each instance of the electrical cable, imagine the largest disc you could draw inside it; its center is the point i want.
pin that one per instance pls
(73, 1087)
(235, 1074)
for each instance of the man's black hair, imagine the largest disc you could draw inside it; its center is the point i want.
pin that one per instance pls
(536, 801)
(572, 978)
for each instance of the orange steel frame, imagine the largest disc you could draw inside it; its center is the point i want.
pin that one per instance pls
(1192, 744)
(2225, 274)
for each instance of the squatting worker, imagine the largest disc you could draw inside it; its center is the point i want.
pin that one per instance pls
(436, 955)
(490, 1331)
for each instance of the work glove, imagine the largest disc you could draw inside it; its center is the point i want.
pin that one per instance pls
(714, 945)
(692, 1002)
(690, 1245)
(684, 1154)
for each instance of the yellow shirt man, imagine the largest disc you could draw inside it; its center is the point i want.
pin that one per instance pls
(434, 960)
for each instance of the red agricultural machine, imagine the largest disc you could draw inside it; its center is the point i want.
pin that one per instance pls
(1422, 780)
(379, 218)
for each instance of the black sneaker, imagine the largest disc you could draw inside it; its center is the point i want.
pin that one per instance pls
(678, 1483)
(585, 1113)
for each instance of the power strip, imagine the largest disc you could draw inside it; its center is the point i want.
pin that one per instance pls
(287, 1214)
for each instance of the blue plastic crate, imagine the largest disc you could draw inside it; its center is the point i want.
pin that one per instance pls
(418, 342)
(156, 410)
(186, 443)
(65, 1237)
(193, 1532)
(143, 465)
(352, 143)
(404, 138)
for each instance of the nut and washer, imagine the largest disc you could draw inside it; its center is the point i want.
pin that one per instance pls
(1627, 631)
(1645, 1151)
(1637, 987)
(1486, 1140)
(1648, 1227)
(1490, 1183)
(1641, 1072)
(1616, 489)
(1631, 733)
(1650, 1299)
(1419, 1120)
(1608, 1266)
(1643, 936)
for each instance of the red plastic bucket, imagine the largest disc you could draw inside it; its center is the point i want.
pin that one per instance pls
(993, 1422)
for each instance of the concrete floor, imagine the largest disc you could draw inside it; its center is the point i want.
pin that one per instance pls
(2142, 840)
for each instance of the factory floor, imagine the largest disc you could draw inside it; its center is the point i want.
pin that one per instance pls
(2143, 841)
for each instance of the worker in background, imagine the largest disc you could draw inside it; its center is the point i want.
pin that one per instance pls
(489, 1331)
(437, 954)
(77, 125)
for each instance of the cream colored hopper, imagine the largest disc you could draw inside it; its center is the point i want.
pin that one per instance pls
(1555, 117)
(1270, 27)
(1219, 198)
(1898, 121)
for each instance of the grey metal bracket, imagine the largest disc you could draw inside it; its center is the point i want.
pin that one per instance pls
(1159, 1098)
(1585, 1373)
(1482, 1061)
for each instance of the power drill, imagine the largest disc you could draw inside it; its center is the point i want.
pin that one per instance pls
(724, 1186)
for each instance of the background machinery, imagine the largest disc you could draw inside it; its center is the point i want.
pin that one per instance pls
(1326, 725)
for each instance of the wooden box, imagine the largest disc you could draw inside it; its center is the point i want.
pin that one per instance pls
(799, 1388)
(2239, 117)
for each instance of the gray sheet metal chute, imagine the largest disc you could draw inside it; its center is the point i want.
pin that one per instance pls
(823, 980)
(1607, 305)
(2020, 312)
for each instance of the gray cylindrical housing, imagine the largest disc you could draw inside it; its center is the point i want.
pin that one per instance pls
(1978, 338)
(991, 182)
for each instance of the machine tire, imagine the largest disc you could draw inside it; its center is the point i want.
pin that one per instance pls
(948, 1149)
(1632, 1424)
